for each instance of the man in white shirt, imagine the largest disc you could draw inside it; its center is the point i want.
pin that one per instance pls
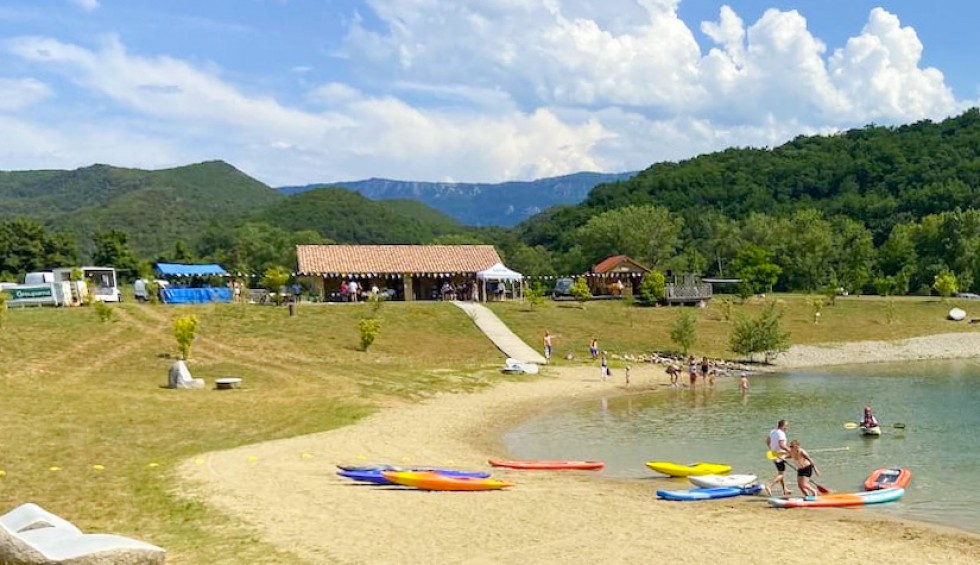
(776, 442)
(352, 289)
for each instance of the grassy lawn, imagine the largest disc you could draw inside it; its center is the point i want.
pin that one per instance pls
(79, 393)
(621, 329)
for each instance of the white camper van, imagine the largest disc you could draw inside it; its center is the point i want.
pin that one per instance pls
(39, 289)
(101, 281)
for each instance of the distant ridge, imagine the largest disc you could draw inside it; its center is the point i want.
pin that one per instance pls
(481, 204)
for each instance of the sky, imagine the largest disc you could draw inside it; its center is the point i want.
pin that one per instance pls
(309, 91)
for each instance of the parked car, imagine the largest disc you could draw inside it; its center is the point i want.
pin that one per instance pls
(563, 288)
(968, 295)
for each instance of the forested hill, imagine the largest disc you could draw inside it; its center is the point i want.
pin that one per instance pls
(153, 208)
(481, 204)
(879, 176)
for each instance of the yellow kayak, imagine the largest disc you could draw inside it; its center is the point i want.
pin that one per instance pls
(675, 470)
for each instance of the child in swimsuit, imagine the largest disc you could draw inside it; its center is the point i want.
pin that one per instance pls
(805, 468)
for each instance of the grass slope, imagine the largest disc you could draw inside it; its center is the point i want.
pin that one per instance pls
(79, 393)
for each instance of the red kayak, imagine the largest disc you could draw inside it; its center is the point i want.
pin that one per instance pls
(888, 478)
(548, 465)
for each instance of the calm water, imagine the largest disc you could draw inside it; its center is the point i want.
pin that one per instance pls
(938, 401)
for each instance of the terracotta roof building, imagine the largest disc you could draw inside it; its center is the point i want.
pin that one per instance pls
(406, 272)
(617, 275)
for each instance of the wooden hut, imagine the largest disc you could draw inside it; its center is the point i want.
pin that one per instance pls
(616, 276)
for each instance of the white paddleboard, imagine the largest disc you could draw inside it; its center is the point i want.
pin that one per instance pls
(719, 481)
(957, 314)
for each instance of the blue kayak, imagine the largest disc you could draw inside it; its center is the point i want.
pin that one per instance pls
(708, 493)
(375, 475)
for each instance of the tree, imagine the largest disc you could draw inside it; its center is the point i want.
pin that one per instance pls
(534, 295)
(185, 330)
(368, 329)
(111, 250)
(25, 246)
(274, 279)
(945, 284)
(580, 291)
(761, 335)
(684, 331)
(653, 287)
(754, 266)
(647, 233)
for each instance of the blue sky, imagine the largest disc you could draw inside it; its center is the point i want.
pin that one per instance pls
(303, 91)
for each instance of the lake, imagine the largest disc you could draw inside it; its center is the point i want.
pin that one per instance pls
(938, 401)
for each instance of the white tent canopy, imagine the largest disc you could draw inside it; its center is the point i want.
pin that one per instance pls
(499, 272)
(502, 274)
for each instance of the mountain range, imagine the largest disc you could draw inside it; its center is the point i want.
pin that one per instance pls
(480, 204)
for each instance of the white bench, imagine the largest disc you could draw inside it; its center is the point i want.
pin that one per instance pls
(227, 383)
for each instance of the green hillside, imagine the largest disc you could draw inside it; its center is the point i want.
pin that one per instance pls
(154, 208)
(347, 217)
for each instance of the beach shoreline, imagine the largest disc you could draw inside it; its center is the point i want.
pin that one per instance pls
(287, 490)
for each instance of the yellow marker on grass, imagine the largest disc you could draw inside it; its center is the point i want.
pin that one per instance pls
(98, 467)
(54, 469)
(153, 465)
(253, 458)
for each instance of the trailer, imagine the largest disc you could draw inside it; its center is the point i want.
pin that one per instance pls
(101, 282)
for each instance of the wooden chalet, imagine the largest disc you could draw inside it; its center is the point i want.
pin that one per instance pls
(404, 272)
(617, 275)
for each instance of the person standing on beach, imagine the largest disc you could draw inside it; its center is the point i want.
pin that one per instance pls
(627, 376)
(692, 370)
(776, 442)
(547, 347)
(603, 367)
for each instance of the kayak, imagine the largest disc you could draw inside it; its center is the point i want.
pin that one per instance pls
(548, 465)
(435, 481)
(838, 500)
(888, 478)
(872, 431)
(719, 481)
(676, 470)
(708, 493)
(376, 476)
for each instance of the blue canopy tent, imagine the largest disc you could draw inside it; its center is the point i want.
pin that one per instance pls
(183, 295)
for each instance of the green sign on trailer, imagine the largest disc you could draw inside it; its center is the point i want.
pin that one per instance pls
(31, 292)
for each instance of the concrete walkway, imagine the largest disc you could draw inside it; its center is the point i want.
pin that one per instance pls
(498, 332)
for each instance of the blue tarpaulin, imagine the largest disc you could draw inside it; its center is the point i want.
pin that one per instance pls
(196, 295)
(178, 270)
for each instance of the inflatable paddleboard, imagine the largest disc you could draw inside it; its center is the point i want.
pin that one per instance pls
(548, 465)
(677, 470)
(957, 314)
(839, 500)
(721, 481)
(888, 478)
(435, 481)
(707, 493)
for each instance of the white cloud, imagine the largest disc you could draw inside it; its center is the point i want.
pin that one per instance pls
(488, 91)
(17, 94)
(87, 5)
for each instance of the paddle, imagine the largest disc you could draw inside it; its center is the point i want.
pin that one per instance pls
(820, 488)
(856, 425)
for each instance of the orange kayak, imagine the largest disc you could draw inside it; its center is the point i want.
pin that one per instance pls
(435, 481)
(548, 465)
(888, 478)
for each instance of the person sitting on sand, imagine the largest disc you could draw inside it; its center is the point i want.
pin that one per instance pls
(776, 442)
(805, 468)
(868, 420)
(594, 349)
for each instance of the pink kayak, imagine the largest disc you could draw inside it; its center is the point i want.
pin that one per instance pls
(548, 465)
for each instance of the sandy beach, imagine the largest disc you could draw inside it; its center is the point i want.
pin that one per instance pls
(288, 491)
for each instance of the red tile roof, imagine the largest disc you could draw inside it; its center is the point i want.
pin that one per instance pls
(343, 259)
(609, 264)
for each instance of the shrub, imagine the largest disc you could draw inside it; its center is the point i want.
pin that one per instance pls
(684, 331)
(369, 328)
(274, 279)
(534, 295)
(185, 330)
(653, 287)
(103, 312)
(762, 335)
(580, 291)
